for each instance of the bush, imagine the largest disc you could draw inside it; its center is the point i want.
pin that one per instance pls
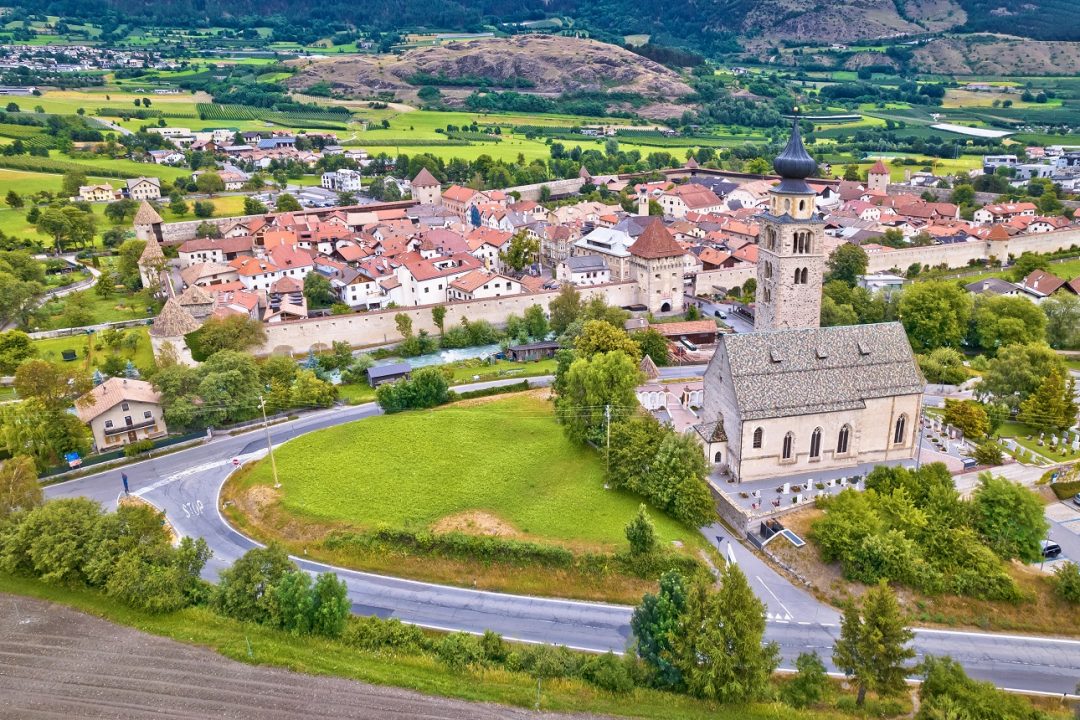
(138, 447)
(425, 389)
(459, 651)
(809, 685)
(487, 392)
(376, 635)
(609, 673)
(1067, 582)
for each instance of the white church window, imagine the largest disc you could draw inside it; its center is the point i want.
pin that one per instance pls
(789, 446)
(815, 443)
(759, 435)
(842, 440)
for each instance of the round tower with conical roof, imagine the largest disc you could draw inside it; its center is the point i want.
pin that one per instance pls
(791, 256)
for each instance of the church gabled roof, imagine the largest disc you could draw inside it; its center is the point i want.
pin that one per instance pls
(147, 215)
(425, 179)
(656, 242)
(783, 373)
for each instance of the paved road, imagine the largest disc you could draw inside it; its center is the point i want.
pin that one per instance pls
(186, 484)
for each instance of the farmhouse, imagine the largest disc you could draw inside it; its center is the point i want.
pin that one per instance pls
(121, 411)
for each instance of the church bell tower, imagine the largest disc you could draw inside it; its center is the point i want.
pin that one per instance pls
(791, 259)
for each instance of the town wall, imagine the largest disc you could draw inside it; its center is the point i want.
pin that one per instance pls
(379, 327)
(558, 188)
(178, 232)
(943, 194)
(706, 281)
(957, 255)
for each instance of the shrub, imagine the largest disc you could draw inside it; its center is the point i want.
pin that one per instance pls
(375, 635)
(459, 651)
(1067, 582)
(138, 447)
(609, 673)
(809, 685)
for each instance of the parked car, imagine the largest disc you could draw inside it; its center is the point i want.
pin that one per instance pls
(720, 314)
(1050, 550)
(1076, 499)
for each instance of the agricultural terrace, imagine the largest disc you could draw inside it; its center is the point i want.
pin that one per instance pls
(497, 467)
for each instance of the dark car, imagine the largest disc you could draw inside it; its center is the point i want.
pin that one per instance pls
(1050, 550)
(720, 314)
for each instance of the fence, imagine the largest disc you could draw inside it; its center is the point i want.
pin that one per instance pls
(101, 458)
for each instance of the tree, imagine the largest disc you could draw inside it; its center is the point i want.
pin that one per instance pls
(204, 209)
(1052, 407)
(605, 381)
(873, 644)
(404, 324)
(254, 207)
(117, 212)
(600, 336)
(851, 173)
(209, 183)
(962, 195)
(318, 291)
(1062, 312)
(287, 203)
(809, 684)
(1026, 264)
(944, 365)
(426, 388)
(1009, 517)
(987, 453)
(66, 225)
(330, 605)
(292, 602)
(234, 332)
(935, 314)
(15, 347)
(438, 316)
(46, 434)
(1000, 321)
(207, 230)
(246, 590)
(565, 308)
(641, 533)
(947, 693)
(19, 486)
(536, 323)
(309, 391)
(72, 181)
(719, 647)
(1017, 371)
(13, 200)
(650, 342)
(177, 206)
(53, 385)
(655, 624)
(847, 263)
(521, 251)
(1067, 582)
(968, 416)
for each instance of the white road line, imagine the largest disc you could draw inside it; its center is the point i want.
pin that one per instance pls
(787, 612)
(180, 476)
(996, 636)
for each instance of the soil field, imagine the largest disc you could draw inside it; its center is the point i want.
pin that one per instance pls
(60, 663)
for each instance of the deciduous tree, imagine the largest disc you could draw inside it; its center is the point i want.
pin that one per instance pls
(935, 314)
(1009, 518)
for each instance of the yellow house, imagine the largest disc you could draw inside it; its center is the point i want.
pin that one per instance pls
(121, 411)
(97, 193)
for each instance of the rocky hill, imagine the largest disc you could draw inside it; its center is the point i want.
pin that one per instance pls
(847, 21)
(998, 55)
(538, 64)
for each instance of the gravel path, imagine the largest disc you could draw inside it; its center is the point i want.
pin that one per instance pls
(59, 663)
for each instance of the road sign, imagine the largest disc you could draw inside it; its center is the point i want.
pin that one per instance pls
(236, 462)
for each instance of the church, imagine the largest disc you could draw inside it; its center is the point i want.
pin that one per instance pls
(793, 397)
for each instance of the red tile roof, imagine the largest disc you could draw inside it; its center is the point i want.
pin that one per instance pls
(656, 242)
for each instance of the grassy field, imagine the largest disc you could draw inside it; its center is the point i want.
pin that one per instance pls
(257, 645)
(104, 309)
(493, 467)
(507, 458)
(52, 349)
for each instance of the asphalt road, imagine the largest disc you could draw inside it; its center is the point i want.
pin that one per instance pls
(186, 486)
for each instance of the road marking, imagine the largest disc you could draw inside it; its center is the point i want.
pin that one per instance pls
(996, 636)
(180, 476)
(787, 613)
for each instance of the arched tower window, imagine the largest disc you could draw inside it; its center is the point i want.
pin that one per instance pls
(766, 295)
(804, 274)
(789, 445)
(717, 456)
(898, 432)
(759, 436)
(802, 205)
(768, 270)
(798, 274)
(815, 443)
(842, 440)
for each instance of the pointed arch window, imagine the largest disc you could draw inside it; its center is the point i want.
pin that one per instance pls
(759, 436)
(789, 446)
(898, 432)
(815, 444)
(843, 440)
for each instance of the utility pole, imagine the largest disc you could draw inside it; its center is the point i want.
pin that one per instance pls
(269, 445)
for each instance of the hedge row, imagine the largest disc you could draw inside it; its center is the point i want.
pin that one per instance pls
(59, 167)
(1066, 490)
(411, 142)
(487, 392)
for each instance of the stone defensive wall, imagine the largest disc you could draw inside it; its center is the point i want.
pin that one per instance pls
(958, 255)
(378, 327)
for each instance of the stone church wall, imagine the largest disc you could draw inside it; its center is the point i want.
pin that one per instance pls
(378, 327)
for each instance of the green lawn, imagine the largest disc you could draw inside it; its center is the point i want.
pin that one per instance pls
(507, 458)
(103, 309)
(467, 371)
(356, 394)
(52, 349)
(1019, 432)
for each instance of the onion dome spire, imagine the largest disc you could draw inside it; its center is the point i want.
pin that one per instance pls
(794, 163)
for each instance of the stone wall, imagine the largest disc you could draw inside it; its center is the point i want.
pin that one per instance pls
(706, 281)
(558, 188)
(379, 328)
(178, 232)
(960, 254)
(943, 194)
